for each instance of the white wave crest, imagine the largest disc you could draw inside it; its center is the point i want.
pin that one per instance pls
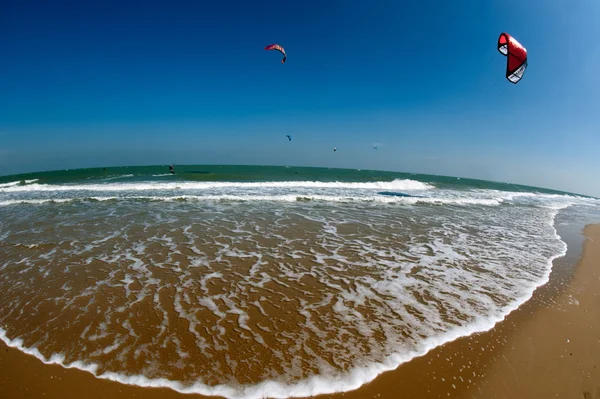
(17, 183)
(149, 186)
(11, 184)
(117, 177)
(273, 198)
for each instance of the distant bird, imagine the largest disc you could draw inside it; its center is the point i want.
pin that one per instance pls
(334, 149)
(375, 147)
(289, 137)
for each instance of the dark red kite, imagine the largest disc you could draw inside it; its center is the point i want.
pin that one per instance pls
(516, 54)
(278, 48)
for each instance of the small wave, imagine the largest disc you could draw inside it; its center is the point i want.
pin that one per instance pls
(38, 201)
(17, 183)
(11, 184)
(148, 186)
(117, 177)
(269, 198)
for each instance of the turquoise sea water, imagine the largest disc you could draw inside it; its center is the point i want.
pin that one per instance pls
(242, 173)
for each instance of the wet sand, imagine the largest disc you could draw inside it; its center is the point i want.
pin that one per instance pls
(549, 347)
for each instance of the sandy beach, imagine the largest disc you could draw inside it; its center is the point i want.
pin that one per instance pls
(549, 347)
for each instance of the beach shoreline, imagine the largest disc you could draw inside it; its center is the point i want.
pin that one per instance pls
(519, 357)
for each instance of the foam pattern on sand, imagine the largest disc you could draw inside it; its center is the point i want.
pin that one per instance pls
(262, 296)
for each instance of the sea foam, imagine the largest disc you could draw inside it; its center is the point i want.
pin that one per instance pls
(360, 254)
(149, 186)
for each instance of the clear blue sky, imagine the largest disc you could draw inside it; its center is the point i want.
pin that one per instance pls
(102, 83)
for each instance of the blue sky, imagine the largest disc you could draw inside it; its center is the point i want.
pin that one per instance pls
(105, 83)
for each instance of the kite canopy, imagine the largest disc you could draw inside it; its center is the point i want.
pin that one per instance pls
(516, 54)
(278, 48)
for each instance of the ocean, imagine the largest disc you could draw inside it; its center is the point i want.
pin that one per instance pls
(255, 281)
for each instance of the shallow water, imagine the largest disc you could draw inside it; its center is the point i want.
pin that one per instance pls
(279, 288)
